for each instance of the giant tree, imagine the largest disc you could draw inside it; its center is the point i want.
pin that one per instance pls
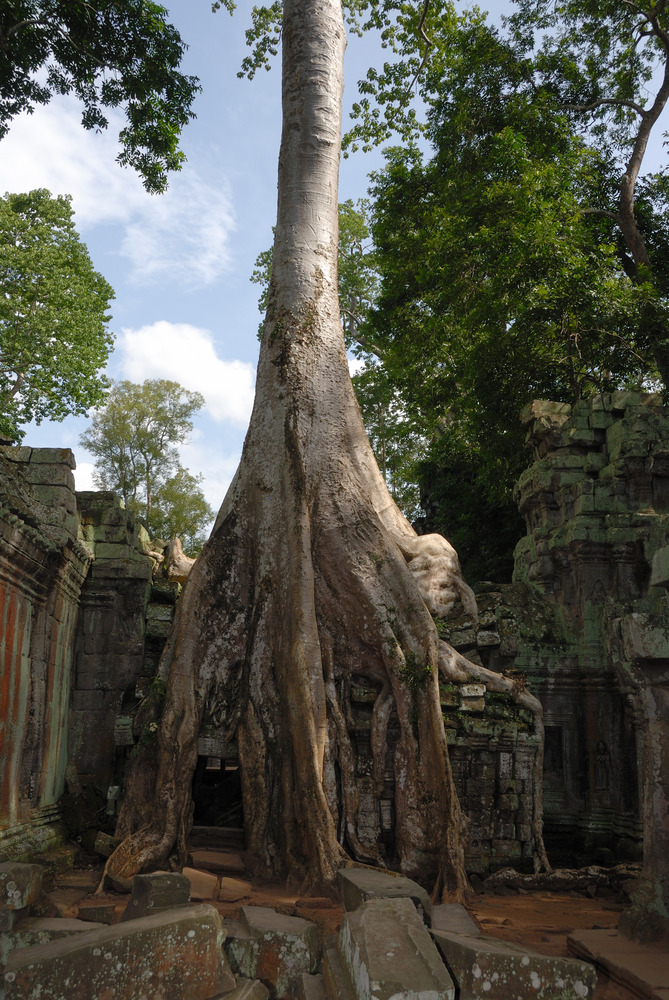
(307, 577)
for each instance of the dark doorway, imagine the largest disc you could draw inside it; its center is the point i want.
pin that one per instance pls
(217, 793)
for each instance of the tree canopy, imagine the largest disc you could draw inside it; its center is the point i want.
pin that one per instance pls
(109, 54)
(506, 266)
(54, 336)
(134, 437)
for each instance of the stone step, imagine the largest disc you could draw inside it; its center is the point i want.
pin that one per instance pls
(218, 861)
(357, 885)
(232, 838)
(181, 948)
(336, 981)
(486, 968)
(384, 942)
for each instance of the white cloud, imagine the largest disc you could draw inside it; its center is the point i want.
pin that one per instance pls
(183, 232)
(83, 476)
(202, 456)
(187, 354)
(355, 365)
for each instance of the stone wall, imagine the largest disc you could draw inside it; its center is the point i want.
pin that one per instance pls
(596, 504)
(77, 641)
(109, 647)
(584, 623)
(42, 568)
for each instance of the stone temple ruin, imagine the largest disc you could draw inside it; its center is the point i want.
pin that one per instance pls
(84, 613)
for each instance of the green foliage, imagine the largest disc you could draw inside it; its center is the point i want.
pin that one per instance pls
(109, 54)
(397, 439)
(133, 438)
(414, 673)
(505, 275)
(180, 508)
(54, 339)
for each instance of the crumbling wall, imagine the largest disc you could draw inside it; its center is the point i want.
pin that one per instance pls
(596, 504)
(110, 641)
(42, 568)
(79, 621)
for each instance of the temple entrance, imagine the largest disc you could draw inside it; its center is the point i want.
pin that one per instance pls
(217, 793)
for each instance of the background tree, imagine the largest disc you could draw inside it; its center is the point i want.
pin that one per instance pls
(54, 338)
(180, 509)
(109, 54)
(505, 274)
(134, 437)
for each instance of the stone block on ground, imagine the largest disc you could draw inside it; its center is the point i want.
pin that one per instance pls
(232, 889)
(453, 917)
(311, 987)
(20, 885)
(203, 885)
(219, 861)
(248, 989)
(272, 947)
(101, 912)
(176, 954)
(104, 845)
(156, 892)
(336, 980)
(357, 885)
(42, 930)
(641, 968)
(389, 953)
(490, 969)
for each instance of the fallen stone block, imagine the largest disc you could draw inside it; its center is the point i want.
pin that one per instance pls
(202, 884)
(642, 969)
(97, 912)
(40, 930)
(156, 892)
(104, 844)
(389, 953)
(248, 989)
(336, 979)
(175, 955)
(357, 885)
(232, 889)
(311, 987)
(454, 918)
(272, 947)
(37, 930)
(490, 969)
(20, 885)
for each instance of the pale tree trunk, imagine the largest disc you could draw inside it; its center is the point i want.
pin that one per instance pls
(305, 581)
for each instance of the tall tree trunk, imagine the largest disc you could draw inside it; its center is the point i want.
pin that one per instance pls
(303, 582)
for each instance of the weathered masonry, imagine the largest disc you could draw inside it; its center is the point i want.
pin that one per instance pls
(585, 623)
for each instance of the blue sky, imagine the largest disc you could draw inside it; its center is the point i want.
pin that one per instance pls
(180, 263)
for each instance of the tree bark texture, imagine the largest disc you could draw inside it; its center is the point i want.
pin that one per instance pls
(307, 578)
